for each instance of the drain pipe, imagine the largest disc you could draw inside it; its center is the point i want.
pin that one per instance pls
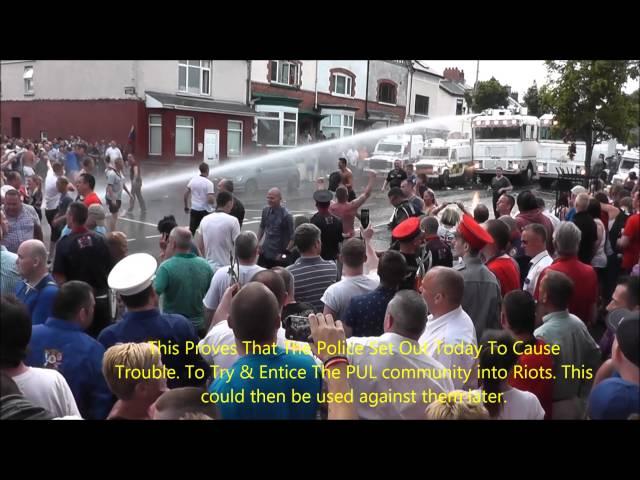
(315, 106)
(248, 82)
(366, 95)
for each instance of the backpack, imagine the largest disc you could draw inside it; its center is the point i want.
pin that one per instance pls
(334, 181)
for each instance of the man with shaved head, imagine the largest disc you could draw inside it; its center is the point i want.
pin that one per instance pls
(276, 226)
(177, 403)
(266, 394)
(448, 324)
(38, 288)
(183, 280)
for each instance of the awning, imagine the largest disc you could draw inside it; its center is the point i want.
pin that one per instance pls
(271, 99)
(28, 73)
(310, 114)
(183, 102)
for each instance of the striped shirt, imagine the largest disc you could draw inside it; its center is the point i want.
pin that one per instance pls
(311, 277)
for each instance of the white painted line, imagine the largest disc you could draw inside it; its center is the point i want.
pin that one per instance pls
(250, 222)
(153, 236)
(138, 221)
(131, 239)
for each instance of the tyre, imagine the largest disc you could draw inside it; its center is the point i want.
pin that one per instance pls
(445, 182)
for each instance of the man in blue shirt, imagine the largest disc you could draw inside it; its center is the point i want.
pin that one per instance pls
(265, 374)
(276, 225)
(61, 344)
(618, 397)
(365, 313)
(174, 335)
(38, 288)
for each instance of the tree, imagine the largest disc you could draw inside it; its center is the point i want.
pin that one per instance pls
(488, 94)
(632, 139)
(532, 101)
(587, 98)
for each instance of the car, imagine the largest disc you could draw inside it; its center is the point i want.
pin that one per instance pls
(251, 176)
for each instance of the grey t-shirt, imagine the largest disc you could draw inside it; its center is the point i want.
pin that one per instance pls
(116, 181)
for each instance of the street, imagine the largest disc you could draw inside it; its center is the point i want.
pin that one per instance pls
(163, 189)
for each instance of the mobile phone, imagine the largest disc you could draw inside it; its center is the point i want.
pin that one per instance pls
(297, 328)
(364, 218)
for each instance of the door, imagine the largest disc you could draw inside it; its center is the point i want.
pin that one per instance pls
(212, 147)
(15, 127)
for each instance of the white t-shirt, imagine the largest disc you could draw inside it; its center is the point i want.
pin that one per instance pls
(520, 405)
(221, 334)
(219, 230)
(338, 295)
(113, 153)
(51, 194)
(48, 389)
(117, 182)
(538, 264)
(200, 187)
(221, 281)
(600, 258)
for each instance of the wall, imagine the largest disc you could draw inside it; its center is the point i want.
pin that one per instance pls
(385, 70)
(69, 79)
(428, 86)
(446, 104)
(92, 120)
(357, 67)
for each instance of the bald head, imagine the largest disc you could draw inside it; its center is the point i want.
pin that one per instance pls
(255, 313)
(442, 289)
(274, 197)
(178, 402)
(32, 260)
(182, 238)
(274, 282)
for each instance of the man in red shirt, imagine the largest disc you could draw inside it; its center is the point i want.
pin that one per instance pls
(85, 185)
(630, 241)
(498, 261)
(518, 317)
(582, 304)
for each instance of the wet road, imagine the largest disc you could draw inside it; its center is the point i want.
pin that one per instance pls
(166, 187)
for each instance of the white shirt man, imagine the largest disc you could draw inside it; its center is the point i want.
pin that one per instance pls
(453, 329)
(48, 389)
(537, 264)
(338, 295)
(113, 152)
(217, 347)
(218, 231)
(406, 358)
(222, 280)
(51, 193)
(201, 187)
(352, 157)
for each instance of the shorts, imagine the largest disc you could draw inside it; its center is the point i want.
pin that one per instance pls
(114, 208)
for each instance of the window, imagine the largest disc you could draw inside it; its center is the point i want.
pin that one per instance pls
(155, 134)
(194, 76)
(459, 103)
(234, 138)
(422, 105)
(184, 136)
(337, 124)
(387, 93)
(342, 84)
(277, 126)
(28, 80)
(497, 133)
(285, 72)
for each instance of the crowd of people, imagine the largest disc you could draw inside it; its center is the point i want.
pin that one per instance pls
(557, 291)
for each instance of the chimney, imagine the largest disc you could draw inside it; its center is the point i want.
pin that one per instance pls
(454, 75)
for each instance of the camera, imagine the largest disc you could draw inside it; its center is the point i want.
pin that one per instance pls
(297, 328)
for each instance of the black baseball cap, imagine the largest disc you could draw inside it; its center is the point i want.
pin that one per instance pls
(628, 339)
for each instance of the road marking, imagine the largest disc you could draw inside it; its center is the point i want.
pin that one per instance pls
(153, 236)
(250, 222)
(131, 239)
(138, 221)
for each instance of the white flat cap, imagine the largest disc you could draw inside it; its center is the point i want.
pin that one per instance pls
(133, 274)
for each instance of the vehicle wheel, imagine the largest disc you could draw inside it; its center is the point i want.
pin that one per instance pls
(527, 175)
(445, 179)
(251, 188)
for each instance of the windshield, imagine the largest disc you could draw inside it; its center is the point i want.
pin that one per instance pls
(436, 152)
(550, 133)
(497, 133)
(628, 164)
(389, 147)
